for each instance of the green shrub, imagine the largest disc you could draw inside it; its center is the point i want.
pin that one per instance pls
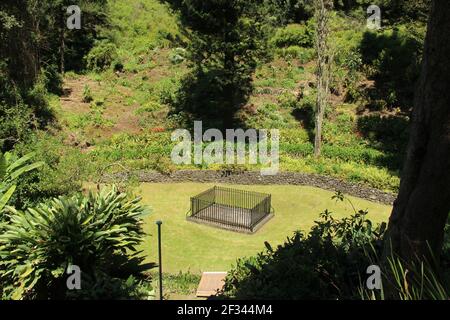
(341, 131)
(177, 56)
(11, 168)
(325, 264)
(294, 136)
(87, 94)
(62, 171)
(105, 287)
(163, 165)
(15, 124)
(150, 106)
(304, 55)
(101, 56)
(288, 101)
(390, 132)
(293, 35)
(168, 90)
(98, 232)
(270, 117)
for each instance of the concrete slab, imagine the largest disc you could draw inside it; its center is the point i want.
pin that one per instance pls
(211, 283)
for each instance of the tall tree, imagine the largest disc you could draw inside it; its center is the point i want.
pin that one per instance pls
(324, 60)
(226, 40)
(60, 46)
(34, 41)
(19, 70)
(17, 45)
(423, 204)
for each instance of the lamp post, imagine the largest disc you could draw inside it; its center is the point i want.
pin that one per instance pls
(159, 223)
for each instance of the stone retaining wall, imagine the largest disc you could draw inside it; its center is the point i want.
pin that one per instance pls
(254, 177)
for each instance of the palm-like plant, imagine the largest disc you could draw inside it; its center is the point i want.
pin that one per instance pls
(94, 232)
(12, 168)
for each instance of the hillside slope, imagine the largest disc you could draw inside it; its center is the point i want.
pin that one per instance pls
(128, 119)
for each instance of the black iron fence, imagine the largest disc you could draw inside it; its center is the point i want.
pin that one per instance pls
(231, 208)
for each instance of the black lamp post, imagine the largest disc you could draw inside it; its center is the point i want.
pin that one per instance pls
(159, 223)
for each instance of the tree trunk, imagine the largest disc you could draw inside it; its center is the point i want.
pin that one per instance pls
(323, 69)
(229, 92)
(423, 204)
(62, 44)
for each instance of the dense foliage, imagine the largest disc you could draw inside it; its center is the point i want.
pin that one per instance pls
(168, 67)
(36, 47)
(331, 262)
(11, 169)
(327, 263)
(98, 233)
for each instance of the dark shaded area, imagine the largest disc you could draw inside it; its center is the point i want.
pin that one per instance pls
(203, 97)
(316, 266)
(305, 116)
(417, 222)
(392, 60)
(388, 133)
(330, 263)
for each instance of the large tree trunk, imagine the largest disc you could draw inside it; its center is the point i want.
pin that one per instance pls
(423, 204)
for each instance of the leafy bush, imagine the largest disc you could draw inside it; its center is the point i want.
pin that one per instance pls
(150, 106)
(178, 55)
(14, 124)
(87, 94)
(62, 171)
(11, 168)
(294, 136)
(22, 110)
(389, 132)
(167, 91)
(293, 35)
(325, 264)
(104, 287)
(101, 56)
(163, 165)
(99, 233)
(304, 55)
(288, 100)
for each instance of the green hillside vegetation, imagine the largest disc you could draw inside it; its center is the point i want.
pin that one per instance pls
(120, 109)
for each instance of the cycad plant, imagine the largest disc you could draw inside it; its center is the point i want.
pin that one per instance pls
(99, 233)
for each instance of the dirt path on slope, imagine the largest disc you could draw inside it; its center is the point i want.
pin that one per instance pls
(122, 118)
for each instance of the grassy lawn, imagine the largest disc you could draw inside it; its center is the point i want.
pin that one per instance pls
(192, 247)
